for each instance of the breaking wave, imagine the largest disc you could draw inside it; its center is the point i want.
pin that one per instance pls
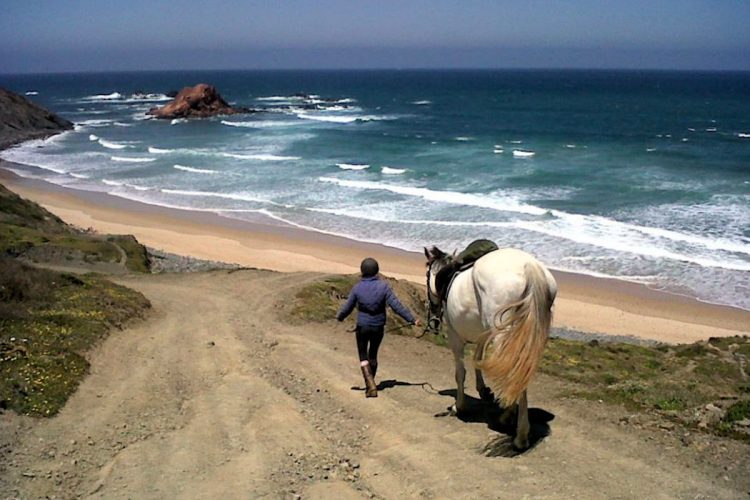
(195, 170)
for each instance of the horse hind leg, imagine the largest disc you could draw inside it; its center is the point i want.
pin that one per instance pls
(484, 392)
(521, 441)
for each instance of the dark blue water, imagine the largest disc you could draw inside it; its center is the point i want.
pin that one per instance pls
(639, 175)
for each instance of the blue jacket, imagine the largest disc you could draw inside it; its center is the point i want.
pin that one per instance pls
(370, 296)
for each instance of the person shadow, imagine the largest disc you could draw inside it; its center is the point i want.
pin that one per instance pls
(479, 411)
(390, 384)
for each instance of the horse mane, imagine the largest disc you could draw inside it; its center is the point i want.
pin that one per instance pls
(517, 339)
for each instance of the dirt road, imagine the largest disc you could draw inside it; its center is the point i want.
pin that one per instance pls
(216, 396)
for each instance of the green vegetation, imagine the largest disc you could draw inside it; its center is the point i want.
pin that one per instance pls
(667, 378)
(676, 382)
(28, 230)
(48, 320)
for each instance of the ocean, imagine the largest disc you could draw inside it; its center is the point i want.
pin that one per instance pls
(643, 176)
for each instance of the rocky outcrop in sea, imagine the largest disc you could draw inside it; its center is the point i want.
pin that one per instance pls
(21, 120)
(200, 101)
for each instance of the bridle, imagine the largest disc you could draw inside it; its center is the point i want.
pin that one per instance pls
(434, 305)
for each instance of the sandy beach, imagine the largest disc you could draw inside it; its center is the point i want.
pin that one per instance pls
(584, 303)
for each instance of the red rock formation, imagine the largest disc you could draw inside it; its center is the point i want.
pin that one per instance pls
(200, 101)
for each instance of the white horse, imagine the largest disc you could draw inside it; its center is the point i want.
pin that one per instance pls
(503, 305)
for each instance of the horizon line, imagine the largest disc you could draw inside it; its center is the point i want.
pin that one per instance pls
(415, 69)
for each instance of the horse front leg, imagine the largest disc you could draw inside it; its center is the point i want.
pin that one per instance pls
(457, 346)
(521, 441)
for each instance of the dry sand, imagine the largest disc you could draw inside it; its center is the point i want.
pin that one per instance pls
(584, 303)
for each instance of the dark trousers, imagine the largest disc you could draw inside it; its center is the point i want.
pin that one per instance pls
(368, 343)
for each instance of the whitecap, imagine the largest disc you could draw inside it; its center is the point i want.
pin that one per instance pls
(132, 159)
(94, 123)
(111, 145)
(506, 204)
(175, 121)
(743, 135)
(259, 123)
(32, 92)
(515, 142)
(104, 97)
(159, 151)
(211, 194)
(650, 150)
(78, 176)
(352, 166)
(422, 103)
(392, 171)
(280, 98)
(121, 124)
(125, 184)
(93, 137)
(195, 170)
(570, 146)
(497, 151)
(344, 119)
(463, 138)
(684, 139)
(260, 156)
(711, 129)
(520, 153)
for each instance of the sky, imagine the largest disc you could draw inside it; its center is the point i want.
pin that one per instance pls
(104, 35)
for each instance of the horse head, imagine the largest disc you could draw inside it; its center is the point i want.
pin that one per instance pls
(436, 260)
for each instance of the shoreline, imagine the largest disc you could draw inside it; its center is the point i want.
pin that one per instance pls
(584, 303)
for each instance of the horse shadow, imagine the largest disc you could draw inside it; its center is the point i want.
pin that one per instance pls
(479, 411)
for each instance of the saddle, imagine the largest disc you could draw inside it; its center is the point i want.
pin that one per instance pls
(463, 261)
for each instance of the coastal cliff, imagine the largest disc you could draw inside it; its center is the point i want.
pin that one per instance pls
(200, 101)
(21, 120)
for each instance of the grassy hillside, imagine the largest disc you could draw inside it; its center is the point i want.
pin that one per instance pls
(49, 319)
(704, 385)
(31, 232)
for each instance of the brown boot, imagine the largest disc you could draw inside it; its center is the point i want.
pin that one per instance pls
(371, 390)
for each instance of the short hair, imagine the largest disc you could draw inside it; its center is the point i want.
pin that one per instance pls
(369, 267)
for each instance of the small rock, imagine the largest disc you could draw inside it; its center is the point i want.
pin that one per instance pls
(667, 426)
(211, 343)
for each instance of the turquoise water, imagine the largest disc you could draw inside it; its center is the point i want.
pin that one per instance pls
(639, 175)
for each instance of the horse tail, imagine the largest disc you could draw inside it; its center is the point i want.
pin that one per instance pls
(519, 335)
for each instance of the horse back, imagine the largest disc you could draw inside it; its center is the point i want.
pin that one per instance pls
(500, 279)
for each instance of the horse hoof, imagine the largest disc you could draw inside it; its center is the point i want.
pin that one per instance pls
(520, 445)
(454, 411)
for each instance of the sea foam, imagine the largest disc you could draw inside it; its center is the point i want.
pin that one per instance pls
(451, 197)
(195, 170)
(352, 166)
(131, 159)
(392, 171)
(260, 156)
(111, 145)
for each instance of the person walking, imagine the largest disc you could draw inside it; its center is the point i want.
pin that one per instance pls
(370, 295)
